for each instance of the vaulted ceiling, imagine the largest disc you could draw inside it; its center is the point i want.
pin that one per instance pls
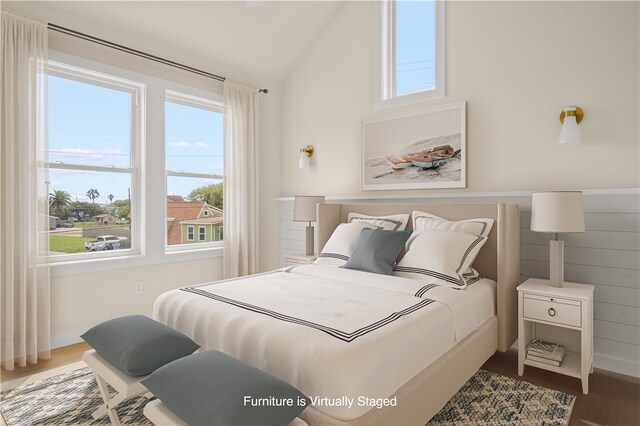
(262, 37)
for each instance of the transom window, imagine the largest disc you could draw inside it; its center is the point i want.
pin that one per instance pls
(410, 51)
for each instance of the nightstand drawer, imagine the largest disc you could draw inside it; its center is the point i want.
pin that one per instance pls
(556, 310)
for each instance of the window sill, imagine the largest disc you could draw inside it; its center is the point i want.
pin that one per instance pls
(132, 261)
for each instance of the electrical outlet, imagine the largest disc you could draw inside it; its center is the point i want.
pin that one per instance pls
(138, 288)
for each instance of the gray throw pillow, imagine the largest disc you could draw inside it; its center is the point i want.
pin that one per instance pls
(212, 388)
(138, 345)
(377, 250)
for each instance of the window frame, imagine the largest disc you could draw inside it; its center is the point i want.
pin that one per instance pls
(202, 233)
(212, 104)
(385, 87)
(191, 233)
(137, 90)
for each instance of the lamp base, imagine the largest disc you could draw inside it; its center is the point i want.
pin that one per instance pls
(309, 240)
(556, 263)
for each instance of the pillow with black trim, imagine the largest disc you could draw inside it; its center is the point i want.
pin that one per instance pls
(439, 257)
(212, 388)
(423, 221)
(376, 251)
(137, 344)
(338, 249)
(394, 222)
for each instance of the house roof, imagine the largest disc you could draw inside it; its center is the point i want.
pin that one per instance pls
(204, 220)
(179, 211)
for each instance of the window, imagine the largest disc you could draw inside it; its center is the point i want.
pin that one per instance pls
(94, 133)
(194, 167)
(410, 51)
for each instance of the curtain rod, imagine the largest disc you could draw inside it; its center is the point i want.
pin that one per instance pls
(139, 53)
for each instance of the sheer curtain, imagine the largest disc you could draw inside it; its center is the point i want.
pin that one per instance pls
(24, 272)
(240, 180)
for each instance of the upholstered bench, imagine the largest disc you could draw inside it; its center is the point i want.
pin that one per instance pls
(126, 386)
(212, 388)
(125, 351)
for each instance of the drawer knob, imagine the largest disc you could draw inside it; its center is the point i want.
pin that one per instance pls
(552, 312)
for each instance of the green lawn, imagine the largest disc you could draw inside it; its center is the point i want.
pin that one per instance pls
(68, 244)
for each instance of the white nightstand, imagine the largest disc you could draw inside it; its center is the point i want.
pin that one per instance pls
(299, 259)
(559, 315)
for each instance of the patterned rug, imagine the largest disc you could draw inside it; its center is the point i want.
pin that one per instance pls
(492, 399)
(486, 399)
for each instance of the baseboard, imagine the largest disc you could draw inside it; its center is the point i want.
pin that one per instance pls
(66, 339)
(621, 366)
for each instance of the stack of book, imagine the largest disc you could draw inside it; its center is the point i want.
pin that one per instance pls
(546, 352)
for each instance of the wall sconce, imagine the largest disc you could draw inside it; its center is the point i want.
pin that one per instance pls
(305, 154)
(570, 117)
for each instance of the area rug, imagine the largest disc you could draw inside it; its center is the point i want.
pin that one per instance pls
(486, 399)
(492, 399)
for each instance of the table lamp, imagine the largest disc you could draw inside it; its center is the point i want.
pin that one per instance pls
(557, 212)
(304, 210)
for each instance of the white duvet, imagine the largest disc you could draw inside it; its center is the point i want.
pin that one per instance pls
(343, 337)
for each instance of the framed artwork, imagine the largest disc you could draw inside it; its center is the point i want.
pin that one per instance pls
(420, 150)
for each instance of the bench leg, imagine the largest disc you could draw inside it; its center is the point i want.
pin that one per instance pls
(110, 403)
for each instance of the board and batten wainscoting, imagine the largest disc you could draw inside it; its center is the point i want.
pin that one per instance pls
(607, 255)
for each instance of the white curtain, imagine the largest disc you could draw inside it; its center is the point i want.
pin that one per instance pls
(24, 271)
(240, 180)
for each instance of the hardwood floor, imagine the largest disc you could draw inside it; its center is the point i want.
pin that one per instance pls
(613, 399)
(59, 357)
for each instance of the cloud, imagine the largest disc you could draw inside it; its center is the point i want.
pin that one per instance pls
(95, 154)
(180, 144)
(184, 144)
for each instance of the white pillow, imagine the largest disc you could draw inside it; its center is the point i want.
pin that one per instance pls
(340, 246)
(478, 226)
(394, 222)
(440, 257)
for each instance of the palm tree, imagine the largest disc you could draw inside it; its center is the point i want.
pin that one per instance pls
(93, 194)
(110, 197)
(59, 202)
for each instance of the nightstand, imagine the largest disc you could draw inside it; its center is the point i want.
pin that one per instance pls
(299, 259)
(560, 315)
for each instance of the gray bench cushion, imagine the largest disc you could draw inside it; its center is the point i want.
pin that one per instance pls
(211, 388)
(137, 344)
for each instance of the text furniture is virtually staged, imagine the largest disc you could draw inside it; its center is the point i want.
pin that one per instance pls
(562, 315)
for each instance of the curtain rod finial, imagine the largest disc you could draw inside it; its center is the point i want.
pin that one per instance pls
(265, 91)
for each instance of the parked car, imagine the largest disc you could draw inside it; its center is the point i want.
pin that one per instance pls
(105, 242)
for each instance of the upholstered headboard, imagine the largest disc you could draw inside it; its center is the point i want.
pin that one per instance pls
(499, 258)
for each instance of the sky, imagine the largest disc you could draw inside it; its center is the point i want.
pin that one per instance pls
(90, 125)
(415, 46)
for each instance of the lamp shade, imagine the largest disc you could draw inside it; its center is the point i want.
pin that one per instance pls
(570, 134)
(303, 162)
(304, 208)
(557, 212)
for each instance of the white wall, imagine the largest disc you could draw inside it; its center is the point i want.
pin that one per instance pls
(81, 300)
(517, 64)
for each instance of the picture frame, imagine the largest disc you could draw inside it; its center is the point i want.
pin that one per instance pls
(418, 150)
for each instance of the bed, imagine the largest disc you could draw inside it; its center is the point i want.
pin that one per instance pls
(340, 334)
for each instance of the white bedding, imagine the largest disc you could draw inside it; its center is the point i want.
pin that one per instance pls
(332, 333)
